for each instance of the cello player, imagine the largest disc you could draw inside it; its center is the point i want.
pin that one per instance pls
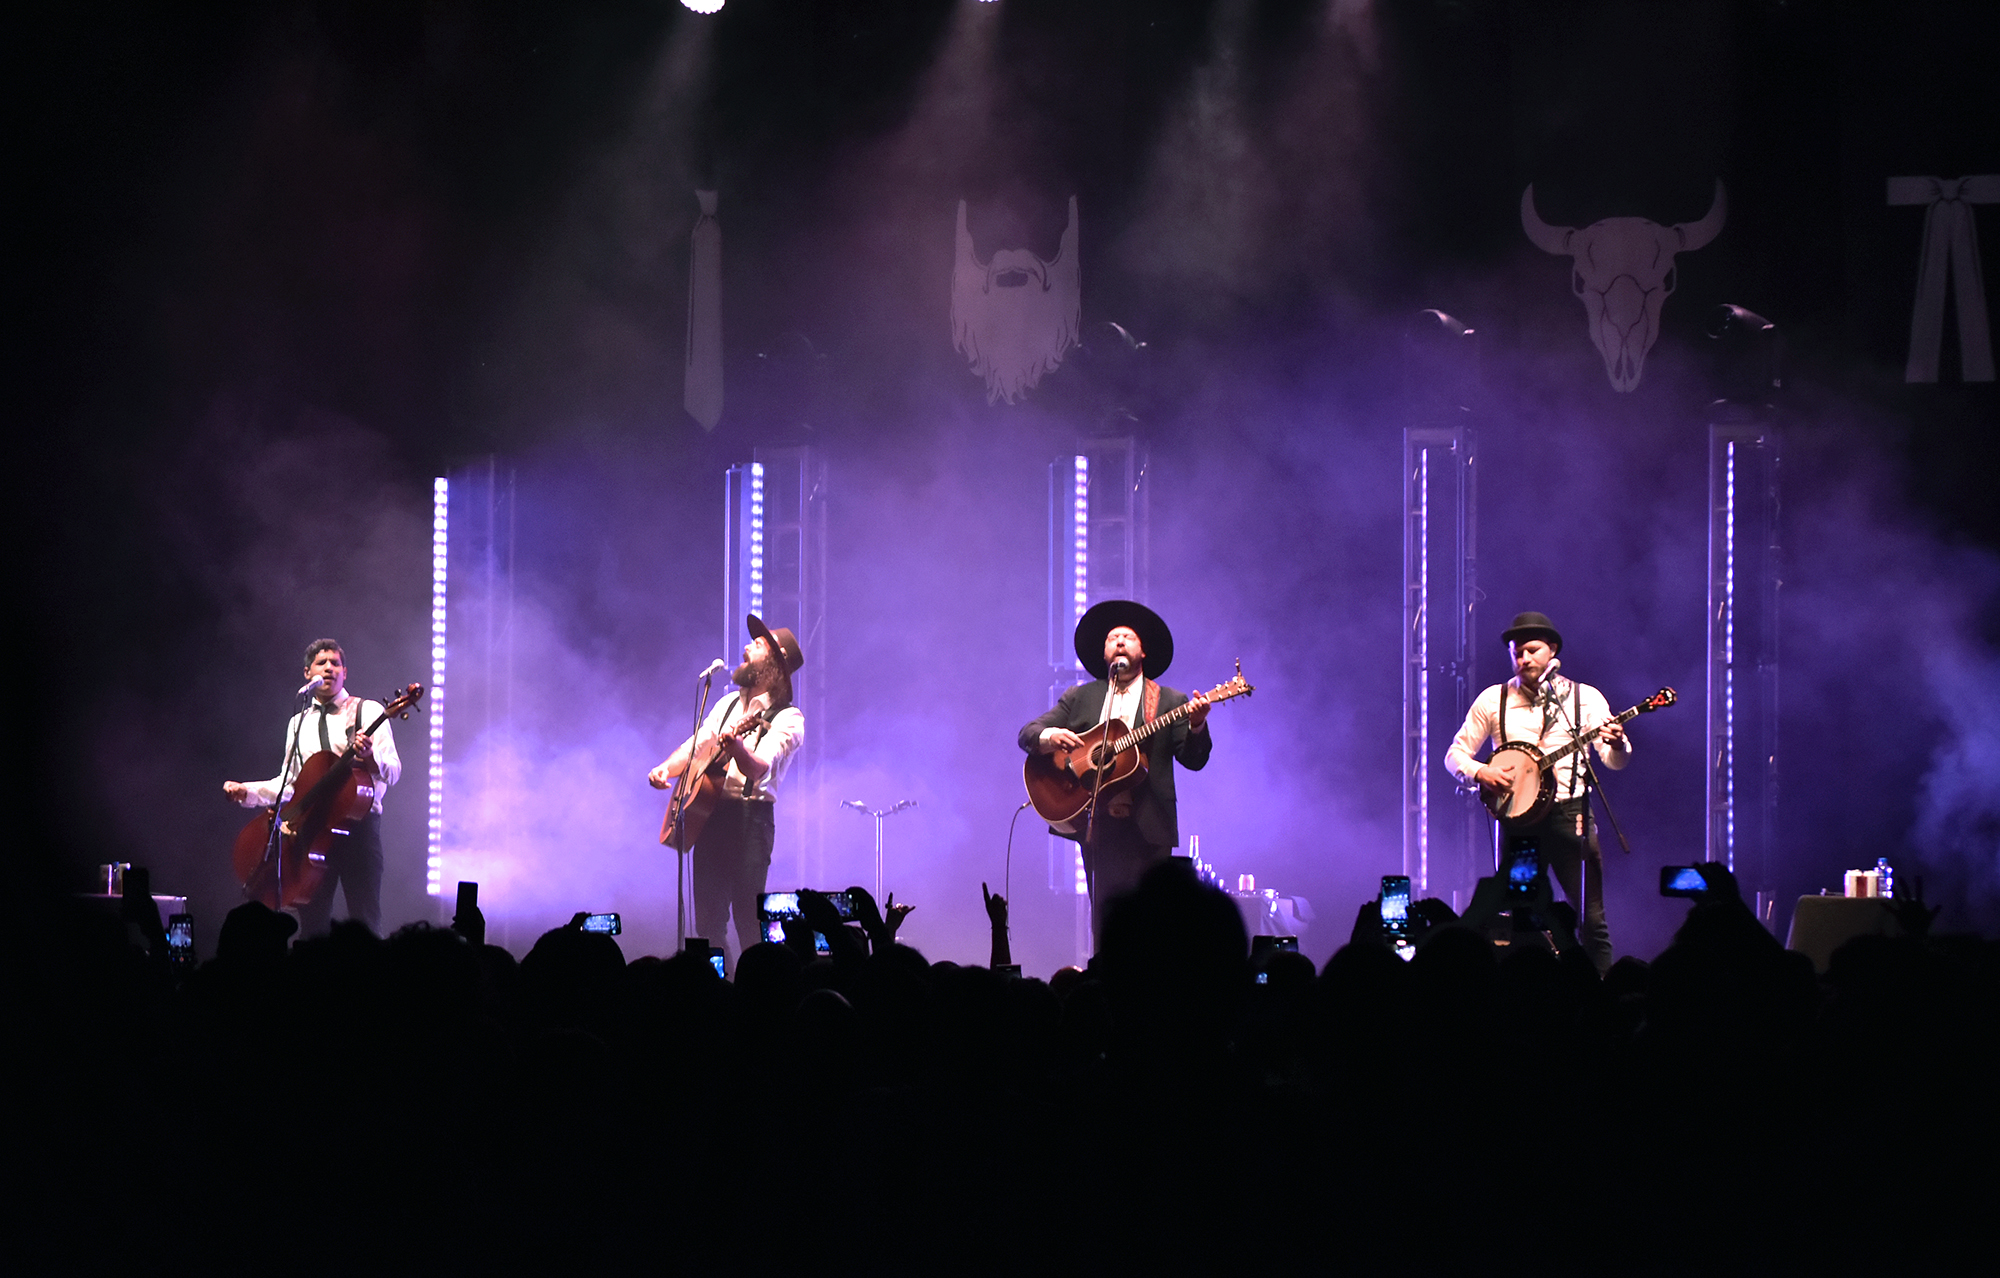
(331, 721)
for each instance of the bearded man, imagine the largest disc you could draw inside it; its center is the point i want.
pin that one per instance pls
(758, 729)
(1121, 642)
(1548, 711)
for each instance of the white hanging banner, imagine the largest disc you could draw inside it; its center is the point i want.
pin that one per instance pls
(703, 396)
(1951, 246)
(1014, 315)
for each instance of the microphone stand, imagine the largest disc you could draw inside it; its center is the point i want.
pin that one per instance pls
(1591, 784)
(1097, 780)
(274, 839)
(681, 868)
(880, 815)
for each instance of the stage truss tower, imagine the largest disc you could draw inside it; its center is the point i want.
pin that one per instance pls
(1743, 585)
(774, 565)
(481, 508)
(1444, 834)
(1099, 548)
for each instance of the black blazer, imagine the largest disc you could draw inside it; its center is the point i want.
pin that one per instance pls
(1153, 805)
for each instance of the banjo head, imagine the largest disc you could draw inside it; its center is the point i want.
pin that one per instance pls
(1522, 764)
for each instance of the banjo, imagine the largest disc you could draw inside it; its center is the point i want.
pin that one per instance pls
(1529, 791)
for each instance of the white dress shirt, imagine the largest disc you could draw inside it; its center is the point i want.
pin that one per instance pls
(1540, 724)
(775, 747)
(350, 714)
(1124, 704)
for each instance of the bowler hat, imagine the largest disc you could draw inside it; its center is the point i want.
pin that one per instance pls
(1532, 625)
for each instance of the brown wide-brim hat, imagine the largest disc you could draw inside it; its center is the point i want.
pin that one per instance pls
(782, 641)
(1533, 625)
(1103, 618)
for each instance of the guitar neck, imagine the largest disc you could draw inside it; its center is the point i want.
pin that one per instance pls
(1215, 696)
(1583, 739)
(1141, 733)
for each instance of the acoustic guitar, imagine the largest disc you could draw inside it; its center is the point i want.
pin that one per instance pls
(700, 784)
(1529, 791)
(1062, 784)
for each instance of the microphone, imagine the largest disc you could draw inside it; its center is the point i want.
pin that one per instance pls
(1549, 676)
(714, 667)
(1121, 665)
(310, 685)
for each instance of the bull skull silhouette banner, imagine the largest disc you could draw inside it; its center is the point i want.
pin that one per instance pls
(1622, 270)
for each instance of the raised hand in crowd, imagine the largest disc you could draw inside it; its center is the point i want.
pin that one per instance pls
(881, 931)
(843, 944)
(996, 914)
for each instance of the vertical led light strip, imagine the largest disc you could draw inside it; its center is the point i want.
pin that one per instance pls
(1729, 658)
(1080, 591)
(1423, 670)
(1080, 526)
(440, 554)
(757, 538)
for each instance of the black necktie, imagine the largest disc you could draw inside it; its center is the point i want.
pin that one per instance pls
(325, 709)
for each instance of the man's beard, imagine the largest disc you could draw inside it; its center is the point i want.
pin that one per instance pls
(753, 673)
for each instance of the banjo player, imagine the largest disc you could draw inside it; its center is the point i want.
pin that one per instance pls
(1546, 710)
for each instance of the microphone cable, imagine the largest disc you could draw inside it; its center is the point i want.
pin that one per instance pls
(1007, 871)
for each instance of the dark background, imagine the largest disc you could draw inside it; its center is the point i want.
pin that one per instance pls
(280, 265)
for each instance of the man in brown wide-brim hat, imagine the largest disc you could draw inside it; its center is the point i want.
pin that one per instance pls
(758, 729)
(1127, 646)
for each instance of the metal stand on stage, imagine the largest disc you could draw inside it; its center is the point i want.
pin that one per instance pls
(682, 880)
(880, 815)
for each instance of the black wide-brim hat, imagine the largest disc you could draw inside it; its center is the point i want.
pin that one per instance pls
(781, 641)
(1532, 625)
(1103, 618)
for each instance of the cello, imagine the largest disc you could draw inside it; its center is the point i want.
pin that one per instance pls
(280, 857)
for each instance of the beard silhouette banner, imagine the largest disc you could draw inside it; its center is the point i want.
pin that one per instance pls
(1014, 315)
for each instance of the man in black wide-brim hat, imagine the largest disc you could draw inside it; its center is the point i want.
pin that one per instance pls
(1127, 647)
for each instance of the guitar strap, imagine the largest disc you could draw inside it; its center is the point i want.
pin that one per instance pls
(1151, 706)
(1578, 769)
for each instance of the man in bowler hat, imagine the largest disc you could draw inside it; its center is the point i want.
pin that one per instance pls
(1546, 710)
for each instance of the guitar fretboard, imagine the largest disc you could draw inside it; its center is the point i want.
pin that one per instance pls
(1216, 696)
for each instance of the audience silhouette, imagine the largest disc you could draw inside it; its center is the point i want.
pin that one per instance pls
(354, 1101)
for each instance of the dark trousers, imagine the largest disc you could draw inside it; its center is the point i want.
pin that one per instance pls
(731, 861)
(1115, 858)
(1578, 866)
(355, 864)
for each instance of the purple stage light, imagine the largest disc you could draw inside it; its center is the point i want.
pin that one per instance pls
(1729, 659)
(440, 554)
(1080, 528)
(756, 534)
(1422, 639)
(1743, 584)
